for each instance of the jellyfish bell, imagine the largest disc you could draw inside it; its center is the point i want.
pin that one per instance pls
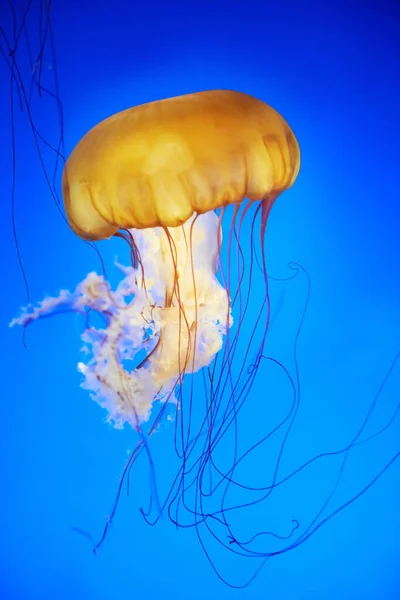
(156, 164)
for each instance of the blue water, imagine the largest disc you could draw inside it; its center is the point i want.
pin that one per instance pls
(331, 68)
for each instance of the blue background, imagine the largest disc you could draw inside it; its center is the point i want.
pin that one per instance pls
(331, 68)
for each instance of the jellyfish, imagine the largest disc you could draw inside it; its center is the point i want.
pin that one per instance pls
(166, 177)
(181, 338)
(182, 335)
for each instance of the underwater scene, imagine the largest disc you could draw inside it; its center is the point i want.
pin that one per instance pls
(200, 299)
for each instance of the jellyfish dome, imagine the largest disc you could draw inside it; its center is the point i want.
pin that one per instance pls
(156, 164)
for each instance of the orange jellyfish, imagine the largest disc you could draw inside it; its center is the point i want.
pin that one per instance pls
(166, 177)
